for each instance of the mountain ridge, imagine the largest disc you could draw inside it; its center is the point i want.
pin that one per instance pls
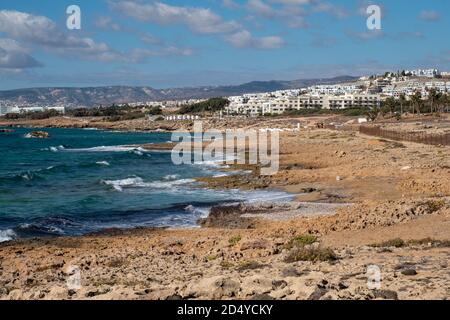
(106, 95)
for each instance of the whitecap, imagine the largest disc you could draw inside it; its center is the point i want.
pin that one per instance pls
(138, 182)
(169, 184)
(171, 177)
(220, 175)
(128, 182)
(56, 149)
(201, 212)
(109, 149)
(7, 235)
(103, 163)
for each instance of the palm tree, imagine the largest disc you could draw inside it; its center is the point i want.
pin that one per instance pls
(402, 100)
(416, 100)
(389, 105)
(433, 96)
(444, 102)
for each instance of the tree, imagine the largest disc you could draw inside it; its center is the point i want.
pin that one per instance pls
(389, 106)
(433, 96)
(372, 114)
(444, 102)
(155, 111)
(416, 101)
(209, 106)
(402, 101)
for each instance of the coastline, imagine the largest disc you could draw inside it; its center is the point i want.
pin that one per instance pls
(244, 252)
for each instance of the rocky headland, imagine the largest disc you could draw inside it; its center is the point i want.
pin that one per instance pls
(361, 202)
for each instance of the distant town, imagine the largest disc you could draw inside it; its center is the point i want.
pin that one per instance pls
(367, 92)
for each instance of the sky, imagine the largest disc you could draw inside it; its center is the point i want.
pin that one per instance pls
(186, 43)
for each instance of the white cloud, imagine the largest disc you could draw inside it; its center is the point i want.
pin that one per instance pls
(198, 20)
(291, 13)
(331, 9)
(429, 15)
(244, 39)
(366, 35)
(107, 23)
(231, 4)
(41, 31)
(14, 56)
(141, 55)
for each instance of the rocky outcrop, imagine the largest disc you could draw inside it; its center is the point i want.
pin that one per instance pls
(38, 135)
(229, 217)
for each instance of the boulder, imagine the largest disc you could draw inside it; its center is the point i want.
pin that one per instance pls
(38, 135)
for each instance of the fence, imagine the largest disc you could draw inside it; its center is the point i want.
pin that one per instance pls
(419, 137)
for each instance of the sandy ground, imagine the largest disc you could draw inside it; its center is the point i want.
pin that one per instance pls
(357, 193)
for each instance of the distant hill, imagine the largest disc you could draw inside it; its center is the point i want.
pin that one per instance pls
(94, 96)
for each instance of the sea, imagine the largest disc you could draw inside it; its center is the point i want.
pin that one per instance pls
(81, 181)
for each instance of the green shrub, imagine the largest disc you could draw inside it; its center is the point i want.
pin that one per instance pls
(428, 241)
(435, 205)
(397, 243)
(301, 241)
(210, 106)
(310, 254)
(234, 240)
(250, 265)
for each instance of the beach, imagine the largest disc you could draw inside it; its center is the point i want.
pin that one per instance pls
(360, 201)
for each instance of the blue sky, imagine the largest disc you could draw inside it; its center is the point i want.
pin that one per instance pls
(214, 42)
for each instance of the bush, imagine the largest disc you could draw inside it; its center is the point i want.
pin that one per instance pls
(210, 106)
(36, 115)
(354, 112)
(435, 205)
(155, 111)
(234, 240)
(306, 112)
(397, 243)
(250, 265)
(301, 241)
(310, 254)
(429, 241)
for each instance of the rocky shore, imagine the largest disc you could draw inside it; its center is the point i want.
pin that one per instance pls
(361, 202)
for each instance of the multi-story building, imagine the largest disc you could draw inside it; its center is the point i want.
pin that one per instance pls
(264, 106)
(429, 73)
(4, 109)
(352, 101)
(334, 89)
(20, 109)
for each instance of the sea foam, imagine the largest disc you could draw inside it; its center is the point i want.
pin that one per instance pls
(138, 182)
(7, 235)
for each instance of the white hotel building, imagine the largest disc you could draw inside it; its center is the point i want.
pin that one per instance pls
(263, 104)
(5, 109)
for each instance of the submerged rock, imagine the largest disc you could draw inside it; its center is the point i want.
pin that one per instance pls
(38, 135)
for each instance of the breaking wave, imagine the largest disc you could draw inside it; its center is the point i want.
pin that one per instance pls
(138, 182)
(7, 235)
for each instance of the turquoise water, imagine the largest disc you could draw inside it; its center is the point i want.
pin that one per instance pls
(81, 181)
